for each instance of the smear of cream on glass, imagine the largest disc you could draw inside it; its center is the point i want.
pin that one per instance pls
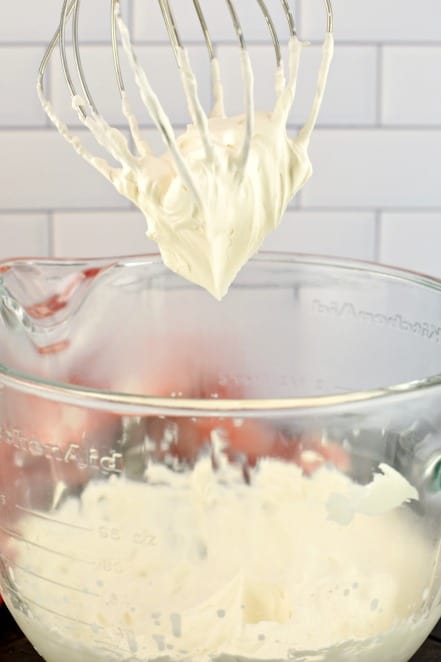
(388, 490)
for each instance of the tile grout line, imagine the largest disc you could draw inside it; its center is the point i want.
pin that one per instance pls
(344, 126)
(380, 80)
(51, 234)
(337, 209)
(377, 235)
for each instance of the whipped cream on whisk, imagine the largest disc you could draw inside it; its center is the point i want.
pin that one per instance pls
(219, 189)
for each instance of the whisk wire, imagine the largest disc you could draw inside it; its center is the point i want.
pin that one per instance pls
(170, 24)
(218, 109)
(204, 26)
(189, 83)
(98, 126)
(78, 60)
(85, 104)
(68, 7)
(115, 49)
(272, 29)
(141, 144)
(290, 18)
(330, 17)
(155, 109)
(248, 78)
(65, 14)
(237, 25)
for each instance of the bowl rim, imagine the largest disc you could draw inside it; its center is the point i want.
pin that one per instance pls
(136, 404)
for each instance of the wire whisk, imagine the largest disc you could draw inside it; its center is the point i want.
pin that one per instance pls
(179, 171)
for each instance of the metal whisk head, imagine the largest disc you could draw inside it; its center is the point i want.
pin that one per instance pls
(184, 190)
(67, 37)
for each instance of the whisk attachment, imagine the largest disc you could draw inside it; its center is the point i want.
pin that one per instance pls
(329, 17)
(205, 30)
(214, 152)
(73, 7)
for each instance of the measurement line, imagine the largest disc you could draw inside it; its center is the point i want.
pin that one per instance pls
(113, 647)
(46, 518)
(6, 558)
(19, 537)
(52, 581)
(105, 644)
(24, 598)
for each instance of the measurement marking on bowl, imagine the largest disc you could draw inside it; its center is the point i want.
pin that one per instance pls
(52, 581)
(19, 537)
(113, 648)
(24, 598)
(47, 518)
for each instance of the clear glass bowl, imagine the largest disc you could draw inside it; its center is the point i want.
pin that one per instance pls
(257, 479)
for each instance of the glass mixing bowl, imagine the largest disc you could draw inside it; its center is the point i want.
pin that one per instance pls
(256, 479)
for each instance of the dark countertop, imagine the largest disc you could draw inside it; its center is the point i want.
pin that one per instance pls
(15, 648)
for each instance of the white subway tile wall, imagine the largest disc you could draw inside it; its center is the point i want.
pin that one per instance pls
(376, 189)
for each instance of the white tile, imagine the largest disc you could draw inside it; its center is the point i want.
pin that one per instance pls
(100, 234)
(411, 85)
(350, 95)
(165, 80)
(44, 172)
(149, 24)
(95, 19)
(325, 233)
(23, 235)
(28, 21)
(374, 20)
(95, 234)
(412, 241)
(374, 169)
(18, 77)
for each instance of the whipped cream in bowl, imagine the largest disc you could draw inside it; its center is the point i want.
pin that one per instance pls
(201, 565)
(219, 481)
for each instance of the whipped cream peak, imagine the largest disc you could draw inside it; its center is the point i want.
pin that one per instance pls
(236, 208)
(224, 183)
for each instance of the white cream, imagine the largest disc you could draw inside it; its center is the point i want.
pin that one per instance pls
(373, 500)
(224, 184)
(200, 566)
